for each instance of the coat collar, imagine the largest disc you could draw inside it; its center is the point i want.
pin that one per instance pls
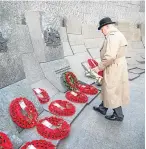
(112, 30)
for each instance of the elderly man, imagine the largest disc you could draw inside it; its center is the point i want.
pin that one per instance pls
(115, 86)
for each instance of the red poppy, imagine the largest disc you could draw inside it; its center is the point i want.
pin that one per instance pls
(42, 95)
(5, 142)
(53, 128)
(23, 112)
(87, 89)
(76, 96)
(92, 63)
(39, 144)
(62, 108)
(70, 80)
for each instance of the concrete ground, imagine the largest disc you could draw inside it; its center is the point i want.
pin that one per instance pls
(92, 131)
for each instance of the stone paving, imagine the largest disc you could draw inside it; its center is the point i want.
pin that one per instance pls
(92, 131)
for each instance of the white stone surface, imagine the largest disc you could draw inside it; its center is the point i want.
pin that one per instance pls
(32, 68)
(79, 48)
(73, 25)
(67, 49)
(123, 24)
(94, 43)
(33, 22)
(53, 53)
(132, 34)
(137, 45)
(23, 39)
(95, 52)
(47, 86)
(53, 71)
(75, 63)
(136, 34)
(75, 39)
(63, 34)
(91, 31)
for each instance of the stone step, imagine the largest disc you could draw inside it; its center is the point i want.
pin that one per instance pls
(75, 39)
(94, 43)
(79, 48)
(75, 62)
(95, 52)
(123, 24)
(91, 31)
(67, 49)
(136, 45)
(73, 25)
(132, 34)
(47, 86)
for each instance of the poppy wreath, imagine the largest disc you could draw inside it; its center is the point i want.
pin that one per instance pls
(42, 95)
(41, 144)
(76, 96)
(61, 130)
(5, 142)
(70, 80)
(62, 108)
(87, 89)
(92, 63)
(24, 117)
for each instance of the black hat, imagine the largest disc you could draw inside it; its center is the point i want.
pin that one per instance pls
(104, 22)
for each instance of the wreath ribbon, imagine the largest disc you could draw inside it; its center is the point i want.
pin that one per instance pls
(62, 108)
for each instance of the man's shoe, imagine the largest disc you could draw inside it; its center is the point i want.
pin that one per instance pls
(114, 117)
(103, 111)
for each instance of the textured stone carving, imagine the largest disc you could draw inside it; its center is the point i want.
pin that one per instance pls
(52, 37)
(3, 43)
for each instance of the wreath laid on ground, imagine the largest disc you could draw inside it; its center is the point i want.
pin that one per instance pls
(23, 113)
(76, 96)
(53, 128)
(87, 89)
(39, 144)
(42, 95)
(92, 63)
(5, 142)
(72, 83)
(62, 108)
(70, 80)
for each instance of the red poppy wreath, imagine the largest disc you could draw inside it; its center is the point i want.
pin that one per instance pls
(38, 144)
(76, 96)
(5, 142)
(70, 80)
(92, 63)
(62, 108)
(87, 89)
(53, 128)
(23, 112)
(42, 95)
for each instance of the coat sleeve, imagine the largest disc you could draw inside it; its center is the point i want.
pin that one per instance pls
(111, 52)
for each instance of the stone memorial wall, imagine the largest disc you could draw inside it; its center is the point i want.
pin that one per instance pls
(39, 41)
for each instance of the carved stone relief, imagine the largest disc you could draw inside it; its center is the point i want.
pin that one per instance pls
(3, 43)
(52, 37)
